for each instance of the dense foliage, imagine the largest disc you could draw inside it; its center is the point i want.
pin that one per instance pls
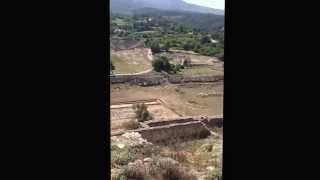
(164, 30)
(162, 63)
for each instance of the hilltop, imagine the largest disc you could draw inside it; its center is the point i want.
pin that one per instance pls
(128, 6)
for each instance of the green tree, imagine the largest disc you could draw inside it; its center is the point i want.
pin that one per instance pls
(155, 47)
(188, 46)
(205, 40)
(166, 46)
(161, 64)
(197, 48)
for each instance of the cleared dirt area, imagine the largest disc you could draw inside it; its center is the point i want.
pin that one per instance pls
(199, 59)
(121, 113)
(185, 100)
(131, 61)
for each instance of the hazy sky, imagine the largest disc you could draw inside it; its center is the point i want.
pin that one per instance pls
(217, 4)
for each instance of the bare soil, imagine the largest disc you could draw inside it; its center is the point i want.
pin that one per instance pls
(122, 113)
(184, 100)
(131, 61)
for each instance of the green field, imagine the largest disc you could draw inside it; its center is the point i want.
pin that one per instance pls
(120, 22)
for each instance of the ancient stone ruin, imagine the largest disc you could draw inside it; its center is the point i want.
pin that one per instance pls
(182, 128)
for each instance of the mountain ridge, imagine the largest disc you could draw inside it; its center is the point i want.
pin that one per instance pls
(128, 6)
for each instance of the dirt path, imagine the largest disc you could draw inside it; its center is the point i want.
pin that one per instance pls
(139, 73)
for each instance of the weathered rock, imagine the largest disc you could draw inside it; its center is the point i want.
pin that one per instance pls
(206, 148)
(210, 168)
(132, 139)
(121, 145)
(147, 160)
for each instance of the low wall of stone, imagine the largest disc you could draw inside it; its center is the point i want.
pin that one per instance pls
(186, 79)
(174, 132)
(155, 123)
(216, 121)
(182, 128)
(151, 80)
(142, 80)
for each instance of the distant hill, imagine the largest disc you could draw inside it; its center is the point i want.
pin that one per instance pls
(128, 6)
(204, 22)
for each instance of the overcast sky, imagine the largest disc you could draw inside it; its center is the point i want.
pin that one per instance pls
(217, 4)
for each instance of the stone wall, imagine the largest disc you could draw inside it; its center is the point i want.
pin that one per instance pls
(155, 123)
(142, 80)
(174, 132)
(176, 79)
(216, 121)
(151, 80)
(171, 130)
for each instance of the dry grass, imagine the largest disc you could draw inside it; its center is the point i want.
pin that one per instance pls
(185, 100)
(131, 124)
(130, 61)
(201, 71)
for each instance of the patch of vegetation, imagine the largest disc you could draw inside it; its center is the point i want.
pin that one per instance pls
(121, 156)
(161, 31)
(142, 113)
(160, 168)
(162, 63)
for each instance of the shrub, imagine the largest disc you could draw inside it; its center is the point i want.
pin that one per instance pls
(161, 64)
(205, 39)
(188, 46)
(150, 150)
(179, 156)
(135, 172)
(177, 173)
(155, 48)
(121, 156)
(171, 170)
(142, 113)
